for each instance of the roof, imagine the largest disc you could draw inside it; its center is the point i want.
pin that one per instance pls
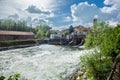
(79, 28)
(4, 32)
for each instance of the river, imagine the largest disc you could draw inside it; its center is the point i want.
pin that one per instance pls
(44, 62)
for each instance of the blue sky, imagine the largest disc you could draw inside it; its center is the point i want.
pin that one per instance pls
(60, 14)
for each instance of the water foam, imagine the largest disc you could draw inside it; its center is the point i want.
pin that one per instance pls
(44, 62)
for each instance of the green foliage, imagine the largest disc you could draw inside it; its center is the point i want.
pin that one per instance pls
(12, 77)
(65, 33)
(8, 24)
(2, 77)
(42, 31)
(40, 34)
(47, 34)
(96, 66)
(107, 39)
(71, 29)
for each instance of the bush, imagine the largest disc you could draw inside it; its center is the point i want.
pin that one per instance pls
(97, 67)
(107, 39)
(12, 77)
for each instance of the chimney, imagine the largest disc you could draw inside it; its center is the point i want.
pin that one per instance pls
(94, 23)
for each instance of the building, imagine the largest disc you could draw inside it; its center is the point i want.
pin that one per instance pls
(80, 30)
(55, 36)
(15, 35)
(69, 36)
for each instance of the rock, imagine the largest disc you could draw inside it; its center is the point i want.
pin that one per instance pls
(84, 77)
(77, 75)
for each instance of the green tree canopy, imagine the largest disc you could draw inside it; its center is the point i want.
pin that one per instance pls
(8, 24)
(65, 33)
(71, 29)
(42, 31)
(40, 34)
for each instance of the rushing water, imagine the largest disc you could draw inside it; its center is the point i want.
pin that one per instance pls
(44, 62)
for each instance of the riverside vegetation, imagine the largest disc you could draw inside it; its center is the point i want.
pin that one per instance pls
(106, 40)
(12, 77)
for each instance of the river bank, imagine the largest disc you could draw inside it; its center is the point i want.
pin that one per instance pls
(16, 47)
(14, 44)
(79, 74)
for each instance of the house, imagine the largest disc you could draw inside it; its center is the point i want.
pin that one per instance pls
(15, 35)
(69, 36)
(55, 36)
(81, 30)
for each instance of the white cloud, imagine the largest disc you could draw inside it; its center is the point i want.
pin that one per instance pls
(108, 2)
(115, 6)
(42, 4)
(84, 13)
(11, 8)
(108, 9)
(96, 16)
(67, 19)
(112, 23)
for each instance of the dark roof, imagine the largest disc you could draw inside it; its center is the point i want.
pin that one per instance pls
(4, 32)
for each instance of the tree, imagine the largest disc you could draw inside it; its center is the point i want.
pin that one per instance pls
(65, 33)
(71, 29)
(44, 29)
(8, 24)
(40, 34)
(47, 34)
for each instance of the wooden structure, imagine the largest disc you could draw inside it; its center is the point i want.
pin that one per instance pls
(15, 35)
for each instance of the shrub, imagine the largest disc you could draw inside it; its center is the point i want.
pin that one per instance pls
(107, 39)
(12, 77)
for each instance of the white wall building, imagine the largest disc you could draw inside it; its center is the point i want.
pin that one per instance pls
(55, 36)
(69, 36)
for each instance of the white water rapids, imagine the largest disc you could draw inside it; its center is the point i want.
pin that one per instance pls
(44, 62)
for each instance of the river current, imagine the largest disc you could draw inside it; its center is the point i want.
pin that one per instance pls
(44, 62)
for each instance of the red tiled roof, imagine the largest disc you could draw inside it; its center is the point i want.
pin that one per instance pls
(4, 32)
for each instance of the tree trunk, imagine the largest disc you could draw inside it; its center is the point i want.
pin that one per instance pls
(115, 73)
